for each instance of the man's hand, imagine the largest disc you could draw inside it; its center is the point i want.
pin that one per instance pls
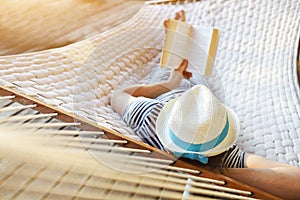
(182, 70)
(177, 75)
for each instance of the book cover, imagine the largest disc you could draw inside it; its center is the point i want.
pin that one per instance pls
(198, 44)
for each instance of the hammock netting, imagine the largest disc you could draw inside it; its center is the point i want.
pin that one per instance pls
(254, 71)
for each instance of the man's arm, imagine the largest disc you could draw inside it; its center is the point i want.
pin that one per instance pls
(280, 179)
(121, 98)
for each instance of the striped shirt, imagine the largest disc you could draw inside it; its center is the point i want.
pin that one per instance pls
(141, 115)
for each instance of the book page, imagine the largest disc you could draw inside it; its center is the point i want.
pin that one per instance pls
(203, 44)
(176, 44)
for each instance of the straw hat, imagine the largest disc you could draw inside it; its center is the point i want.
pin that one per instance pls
(197, 125)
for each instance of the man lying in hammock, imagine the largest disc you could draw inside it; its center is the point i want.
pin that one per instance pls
(193, 123)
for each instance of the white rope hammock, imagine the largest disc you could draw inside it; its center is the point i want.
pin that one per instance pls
(254, 73)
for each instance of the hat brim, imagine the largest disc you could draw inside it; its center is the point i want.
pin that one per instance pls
(163, 133)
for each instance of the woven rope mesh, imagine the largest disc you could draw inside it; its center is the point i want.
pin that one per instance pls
(254, 73)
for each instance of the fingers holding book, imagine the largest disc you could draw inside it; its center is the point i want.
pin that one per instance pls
(182, 69)
(177, 75)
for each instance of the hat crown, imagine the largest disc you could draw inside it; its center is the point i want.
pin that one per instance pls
(197, 116)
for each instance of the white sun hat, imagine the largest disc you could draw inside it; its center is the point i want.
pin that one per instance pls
(197, 125)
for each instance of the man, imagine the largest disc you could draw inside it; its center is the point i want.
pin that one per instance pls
(158, 112)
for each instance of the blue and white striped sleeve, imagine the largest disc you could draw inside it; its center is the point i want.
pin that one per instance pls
(141, 115)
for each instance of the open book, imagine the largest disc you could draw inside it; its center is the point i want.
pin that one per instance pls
(198, 44)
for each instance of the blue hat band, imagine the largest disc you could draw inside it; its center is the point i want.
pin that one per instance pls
(200, 147)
